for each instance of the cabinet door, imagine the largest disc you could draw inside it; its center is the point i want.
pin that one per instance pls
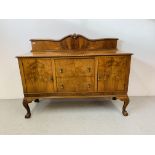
(38, 75)
(112, 71)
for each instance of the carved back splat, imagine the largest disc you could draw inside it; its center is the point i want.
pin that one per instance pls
(73, 42)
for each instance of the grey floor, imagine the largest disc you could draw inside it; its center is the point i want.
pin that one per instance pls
(78, 116)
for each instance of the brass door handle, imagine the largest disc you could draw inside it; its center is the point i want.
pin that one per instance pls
(89, 69)
(98, 78)
(61, 70)
(89, 85)
(62, 86)
(51, 78)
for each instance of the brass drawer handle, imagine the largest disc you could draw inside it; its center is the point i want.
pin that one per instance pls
(89, 85)
(62, 86)
(61, 70)
(51, 79)
(89, 69)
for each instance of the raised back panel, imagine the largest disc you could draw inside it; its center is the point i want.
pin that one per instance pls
(73, 42)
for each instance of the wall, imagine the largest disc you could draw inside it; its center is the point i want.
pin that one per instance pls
(137, 36)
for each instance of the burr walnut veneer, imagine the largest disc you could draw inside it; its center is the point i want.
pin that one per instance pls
(74, 67)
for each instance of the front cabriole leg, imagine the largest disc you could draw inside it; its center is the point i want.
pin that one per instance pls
(126, 102)
(26, 101)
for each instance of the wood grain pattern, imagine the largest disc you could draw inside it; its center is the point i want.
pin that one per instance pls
(74, 94)
(112, 73)
(38, 75)
(75, 67)
(74, 84)
(72, 54)
(74, 42)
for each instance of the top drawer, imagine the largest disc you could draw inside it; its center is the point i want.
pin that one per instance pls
(74, 67)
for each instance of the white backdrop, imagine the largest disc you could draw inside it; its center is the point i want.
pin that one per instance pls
(136, 36)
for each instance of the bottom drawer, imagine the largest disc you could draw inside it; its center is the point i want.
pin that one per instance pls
(76, 84)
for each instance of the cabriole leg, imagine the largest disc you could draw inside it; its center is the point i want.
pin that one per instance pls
(125, 99)
(124, 112)
(26, 101)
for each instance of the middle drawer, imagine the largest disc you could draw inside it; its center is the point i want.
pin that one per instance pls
(74, 84)
(74, 67)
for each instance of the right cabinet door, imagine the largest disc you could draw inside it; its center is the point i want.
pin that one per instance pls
(113, 73)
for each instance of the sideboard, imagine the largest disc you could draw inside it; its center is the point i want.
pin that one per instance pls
(75, 67)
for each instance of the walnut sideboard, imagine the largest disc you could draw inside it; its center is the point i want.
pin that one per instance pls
(74, 67)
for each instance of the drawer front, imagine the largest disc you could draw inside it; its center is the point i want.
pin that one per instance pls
(74, 84)
(74, 67)
(64, 67)
(84, 67)
(112, 72)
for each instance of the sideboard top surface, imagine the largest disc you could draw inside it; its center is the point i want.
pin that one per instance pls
(74, 53)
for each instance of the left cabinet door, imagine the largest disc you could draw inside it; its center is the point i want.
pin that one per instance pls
(37, 75)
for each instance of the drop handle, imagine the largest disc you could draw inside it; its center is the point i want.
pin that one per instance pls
(89, 69)
(89, 85)
(61, 70)
(62, 86)
(51, 78)
(98, 78)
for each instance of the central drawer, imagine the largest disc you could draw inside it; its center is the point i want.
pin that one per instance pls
(74, 67)
(74, 84)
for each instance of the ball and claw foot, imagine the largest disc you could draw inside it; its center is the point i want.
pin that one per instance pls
(125, 113)
(28, 115)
